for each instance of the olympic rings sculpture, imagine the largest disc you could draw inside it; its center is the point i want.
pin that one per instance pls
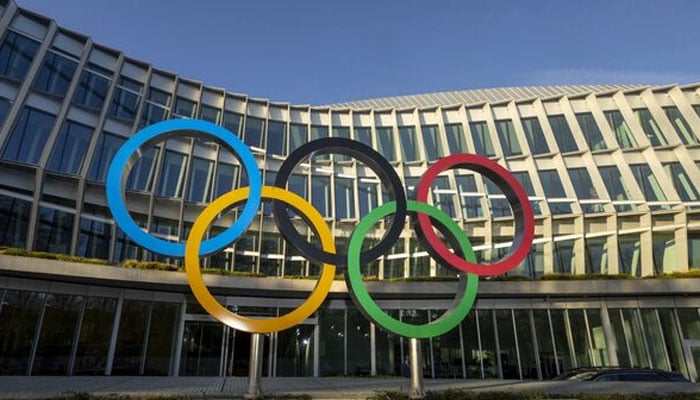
(428, 222)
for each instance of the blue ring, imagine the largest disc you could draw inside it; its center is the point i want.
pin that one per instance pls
(116, 179)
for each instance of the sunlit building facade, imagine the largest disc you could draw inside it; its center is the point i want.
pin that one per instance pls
(611, 171)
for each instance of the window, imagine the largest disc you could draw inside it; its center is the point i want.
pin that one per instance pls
(69, 150)
(226, 178)
(363, 135)
(14, 219)
(16, 55)
(455, 138)
(409, 143)
(297, 184)
(622, 131)
(94, 239)
(321, 194)
(298, 135)
(469, 196)
(663, 249)
(693, 250)
(523, 177)
(597, 255)
(171, 175)
(562, 133)
(506, 134)
(209, 113)
(385, 143)
(107, 146)
(344, 198)
(681, 181)
(647, 182)
(629, 261)
(55, 75)
(535, 136)
(29, 135)
(443, 197)
(92, 90)
(184, 107)
(613, 183)
(140, 175)
(152, 114)
(341, 132)
(684, 131)
(582, 183)
(482, 139)
(5, 105)
(591, 132)
(126, 98)
(201, 174)
(651, 129)
(497, 202)
(254, 128)
(368, 196)
(158, 96)
(564, 257)
(276, 138)
(54, 232)
(433, 145)
(233, 121)
(551, 183)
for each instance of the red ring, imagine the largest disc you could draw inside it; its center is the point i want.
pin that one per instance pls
(519, 203)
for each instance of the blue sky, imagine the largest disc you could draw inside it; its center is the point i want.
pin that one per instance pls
(320, 52)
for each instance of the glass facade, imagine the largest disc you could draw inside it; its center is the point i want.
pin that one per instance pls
(16, 54)
(535, 136)
(69, 150)
(55, 75)
(28, 136)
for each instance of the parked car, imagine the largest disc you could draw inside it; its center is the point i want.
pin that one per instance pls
(613, 374)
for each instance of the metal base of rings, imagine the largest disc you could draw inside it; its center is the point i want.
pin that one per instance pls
(255, 367)
(416, 359)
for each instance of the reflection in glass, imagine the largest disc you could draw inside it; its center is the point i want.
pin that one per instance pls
(57, 333)
(55, 74)
(433, 144)
(591, 132)
(95, 332)
(482, 139)
(488, 356)
(385, 143)
(94, 239)
(54, 232)
(161, 338)
(69, 150)
(295, 350)
(650, 127)
(18, 322)
(528, 363)
(14, 218)
(409, 143)
(681, 181)
(535, 136)
(599, 350)
(107, 146)
(28, 137)
(201, 348)
(684, 131)
(562, 133)
(91, 92)
(647, 182)
(543, 335)
(172, 174)
(507, 137)
(254, 128)
(16, 55)
(655, 339)
(332, 342)
(561, 340)
(506, 343)
(456, 141)
(622, 131)
(201, 174)
(131, 338)
(629, 260)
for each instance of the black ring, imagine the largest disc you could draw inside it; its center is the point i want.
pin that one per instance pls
(377, 163)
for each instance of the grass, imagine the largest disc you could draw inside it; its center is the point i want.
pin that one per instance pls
(114, 396)
(467, 395)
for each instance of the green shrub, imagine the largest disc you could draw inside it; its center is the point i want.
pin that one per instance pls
(135, 264)
(53, 256)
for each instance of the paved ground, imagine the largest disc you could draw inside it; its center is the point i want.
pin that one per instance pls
(22, 387)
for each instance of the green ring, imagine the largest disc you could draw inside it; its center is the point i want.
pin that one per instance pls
(451, 318)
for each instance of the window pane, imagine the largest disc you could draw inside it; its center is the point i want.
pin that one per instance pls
(368, 197)
(344, 198)
(582, 183)
(528, 365)
(184, 107)
(164, 318)
(506, 135)
(597, 255)
(647, 182)
(92, 91)
(18, 322)
(613, 183)
(172, 174)
(107, 146)
(14, 218)
(226, 178)
(254, 128)
(681, 181)
(140, 175)
(561, 341)
(152, 114)
(54, 232)
(385, 143)
(94, 239)
(591, 132)
(684, 131)
(341, 132)
(621, 129)
(433, 144)
(693, 250)
(55, 75)
(321, 194)
(488, 344)
(441, 199)
(95, 332)
(16, 55)
(158, 96)
(564, 257)
(562, 133)
(209, 113)
(29, 135)
(233, 121)
(409, 143)
(506, 343)
(276, 138)
(469, 199)
(125, 102)
(201, 174)
(363, 135)
(543, 335)
(535, 136)
(651, 129)
(69, 150)
(131, 337)
(57, 332)
(579, 337)
(455, 138)
(551, 183)
(297, 136)
(4, 109)
(332, 341)
(664, 251)
(523, 177)
(629, 260)
(482, 139)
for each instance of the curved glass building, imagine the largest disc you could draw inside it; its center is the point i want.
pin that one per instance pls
(611, 171)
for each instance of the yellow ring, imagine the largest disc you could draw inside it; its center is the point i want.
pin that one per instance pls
(216, 309)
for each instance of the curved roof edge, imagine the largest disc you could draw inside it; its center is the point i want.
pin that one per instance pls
(490, 95)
